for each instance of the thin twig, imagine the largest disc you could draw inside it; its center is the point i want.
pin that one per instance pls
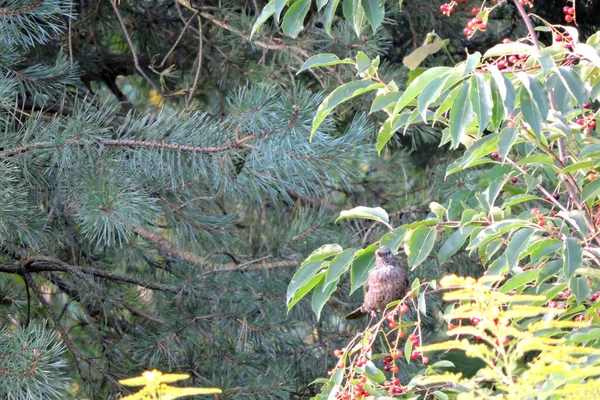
(193, 89)
(65, 336)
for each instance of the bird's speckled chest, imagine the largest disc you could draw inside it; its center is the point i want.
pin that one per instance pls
(385, 284)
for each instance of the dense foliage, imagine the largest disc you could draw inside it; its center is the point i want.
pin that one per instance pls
(527, 115)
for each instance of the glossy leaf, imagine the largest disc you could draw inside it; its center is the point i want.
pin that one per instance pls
(461, 115)
(481, 100)
(420, 244)
(340, 264)
(454, 243)
(305, 289)
(572, 257)
(361, 265)
(519, 280)
(376, 214)
(591, 190)
(416, 86)
(393, 240)
(374, 11)
(321, 295)
(340, 95)
(293, 21)
(323, 60)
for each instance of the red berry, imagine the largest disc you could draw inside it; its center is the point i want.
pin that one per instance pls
(506, 40)
(477, 21)
(475, 11)
(558, 38)
(337, 353)
(579, 121)
(403, 308)
(412, 337)
(586, 105)
(387, 368)
(444, 8)
(395, 369)
(392, 324)
(483, 27)
(523, 57)
(467, 31)
(495, 154)
(425, 360)
(548, 198)
(475, 321)
(513, 59)
(414, 355)
(566, 9)
(592, 124)
(451, 326)
(571, 11)
(591, 177)
(569, 18)
(535, 211)
(556, 196)
(396, 381)
(514, 180)
(463, 1)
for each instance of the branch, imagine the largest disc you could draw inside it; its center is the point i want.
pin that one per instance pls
(65, 336)
(44, 264)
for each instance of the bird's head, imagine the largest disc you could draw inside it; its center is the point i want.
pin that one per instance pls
(384, 254)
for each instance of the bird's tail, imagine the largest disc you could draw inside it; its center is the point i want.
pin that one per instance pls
(356, 314)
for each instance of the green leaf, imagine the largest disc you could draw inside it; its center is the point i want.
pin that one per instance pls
(329, 13)
(321, 294)
(580, 288)
(496, 229)
(339, 96)
(429, 94)
(505, 88)
(519, 280)
(340, 264)
(323, 60)
(572, 257)
(374, 11)
(471, 62)
(324, 252)
(461, 115)
(578, 166)
(481, 100)
(373, 373)
(265, 14)
(572, 84)
(376, 214)
(534, 102)
(515, 250)
(443, 364)
(416, 86)
(440, 395)
(454, 243)
(416, 57)
(384, 100)
(531, 112)
(588, 52)
(420, 244)
(393, 239)
(306, 272)
(507, 49)
(293, 21)
(303, 290)
(521, 198)
(422, 304)
(480, 149)
(408, 347)
(362, 264)
(354, 14)
(583, 335)
(591, 190)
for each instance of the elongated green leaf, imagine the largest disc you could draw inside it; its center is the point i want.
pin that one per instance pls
(293, 21)
(471, 63)
(429, 94)
(265, 14)
(393, 240)
(496, 229)
(591, 190)
(580, 288)
(420, 244)
(592, 151)
(461, 115)
(572, 83)
(329, 13)
(577, 166)
(572, 257)
(340, 264)
(583, 335)
(531, 112)
(374, 11)
(376, 214)
(505, 88)
(384, 100)
(340, 95)
(414, 59)
(321, 294)
(303, 290)
(306, 272)
(324, 252)
(416, 86)
(474, 154)
(534, 102)
(481, 100)
(323, 60)
(506, 49)
(519, 199)
(587, 52)
(519, 280)
(362, 264)
(517, 246)
(422, 303)
(373, 373)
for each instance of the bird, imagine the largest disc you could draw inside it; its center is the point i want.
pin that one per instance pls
(387, 282)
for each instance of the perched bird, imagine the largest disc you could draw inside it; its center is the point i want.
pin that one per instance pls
(387, 282)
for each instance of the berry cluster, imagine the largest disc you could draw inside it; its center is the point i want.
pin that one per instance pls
(587, 120)
(569, 13)
(474, 24)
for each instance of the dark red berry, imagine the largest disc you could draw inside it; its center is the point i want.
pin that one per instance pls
(475, 11)
(506, 40)
(556, 196)
(592, 124)
(569, 18)
(586, 105)
(514, 180)
(495, 154)
(414, 355)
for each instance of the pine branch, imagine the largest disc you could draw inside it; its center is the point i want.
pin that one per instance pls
(65, 336)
